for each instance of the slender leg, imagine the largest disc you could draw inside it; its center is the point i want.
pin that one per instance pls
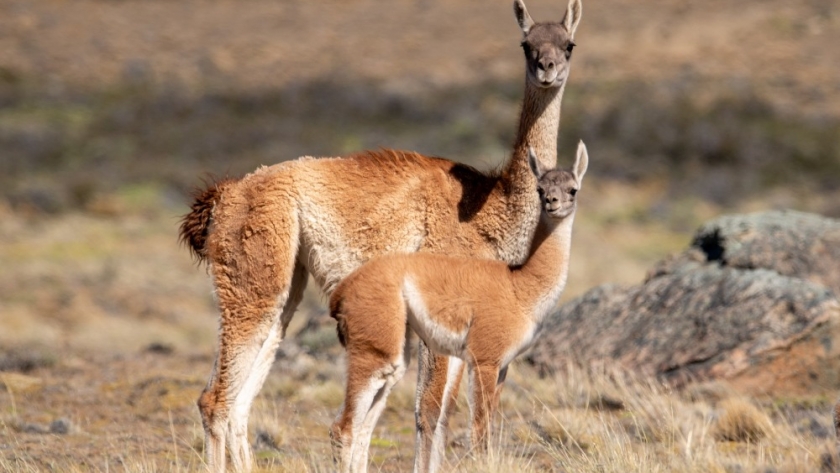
(379, 401)
(438, 380)
(240, 450)
(214, 419)
(483, 382)
(238, 354)
(426, 411)
(361, 448)
(237, 436)
(455, 369)
(368, 383)
(375, 342)
(364, 410)
(252, 294)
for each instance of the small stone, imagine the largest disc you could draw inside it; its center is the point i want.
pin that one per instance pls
(32, 428)
(159, 348)
(61, 426)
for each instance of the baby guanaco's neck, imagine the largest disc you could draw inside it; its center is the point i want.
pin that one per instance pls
(543, 276)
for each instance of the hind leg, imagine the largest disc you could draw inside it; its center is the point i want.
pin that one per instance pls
(237, 355)
(438, 380)
(375, 340)
(484, 386)
(214, 419)
(369, 381)
(254, 268)
(240, 451)
(237, 435)
(379, 404)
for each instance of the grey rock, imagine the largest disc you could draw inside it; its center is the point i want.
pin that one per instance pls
(61, 426)
(753, 300)
(791, 243)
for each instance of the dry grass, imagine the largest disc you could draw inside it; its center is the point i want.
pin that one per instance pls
(114, 331)
(580, 421)
(646, 427)
(740, 421)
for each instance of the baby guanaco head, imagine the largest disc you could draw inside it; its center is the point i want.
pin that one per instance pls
(558, 188)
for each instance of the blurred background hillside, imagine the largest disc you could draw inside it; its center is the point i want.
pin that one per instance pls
(719, 99)
(111, 111)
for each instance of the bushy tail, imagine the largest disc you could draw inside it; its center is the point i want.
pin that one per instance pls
(195, 226)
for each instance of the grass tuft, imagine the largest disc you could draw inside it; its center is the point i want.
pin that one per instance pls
(740, 421)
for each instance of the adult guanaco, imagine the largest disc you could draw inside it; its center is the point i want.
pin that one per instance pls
(263, 233)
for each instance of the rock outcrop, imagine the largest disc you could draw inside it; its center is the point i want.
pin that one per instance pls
(753, 300)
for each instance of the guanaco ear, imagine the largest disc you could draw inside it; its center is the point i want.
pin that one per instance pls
(522, 16)
(581, 162)
(572, 18)
(534, 163)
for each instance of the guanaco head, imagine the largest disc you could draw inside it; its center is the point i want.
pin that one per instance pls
(548, 46)
(558, 188)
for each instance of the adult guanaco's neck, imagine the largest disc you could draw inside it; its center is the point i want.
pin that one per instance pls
(540, 281)
(539, 124)
(513, 210)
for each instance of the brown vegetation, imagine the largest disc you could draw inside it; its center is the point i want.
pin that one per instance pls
(740, 421)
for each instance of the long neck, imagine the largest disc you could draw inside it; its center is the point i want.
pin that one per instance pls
(541, 280)
(511, 213)
(539, 124)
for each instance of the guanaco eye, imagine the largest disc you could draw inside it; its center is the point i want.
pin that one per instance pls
(573, 192)
(570, 46)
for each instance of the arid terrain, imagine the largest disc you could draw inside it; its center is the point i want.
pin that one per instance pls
(110, 112)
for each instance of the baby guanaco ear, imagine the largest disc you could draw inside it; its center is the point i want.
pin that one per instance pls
(522, 16)
(581, 162)
(572, 18)
(534, 163)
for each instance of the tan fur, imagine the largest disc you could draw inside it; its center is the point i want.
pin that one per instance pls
(327, 217)
(484, 312)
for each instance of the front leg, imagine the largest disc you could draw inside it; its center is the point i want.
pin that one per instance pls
(438, 380)
(484, 383)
